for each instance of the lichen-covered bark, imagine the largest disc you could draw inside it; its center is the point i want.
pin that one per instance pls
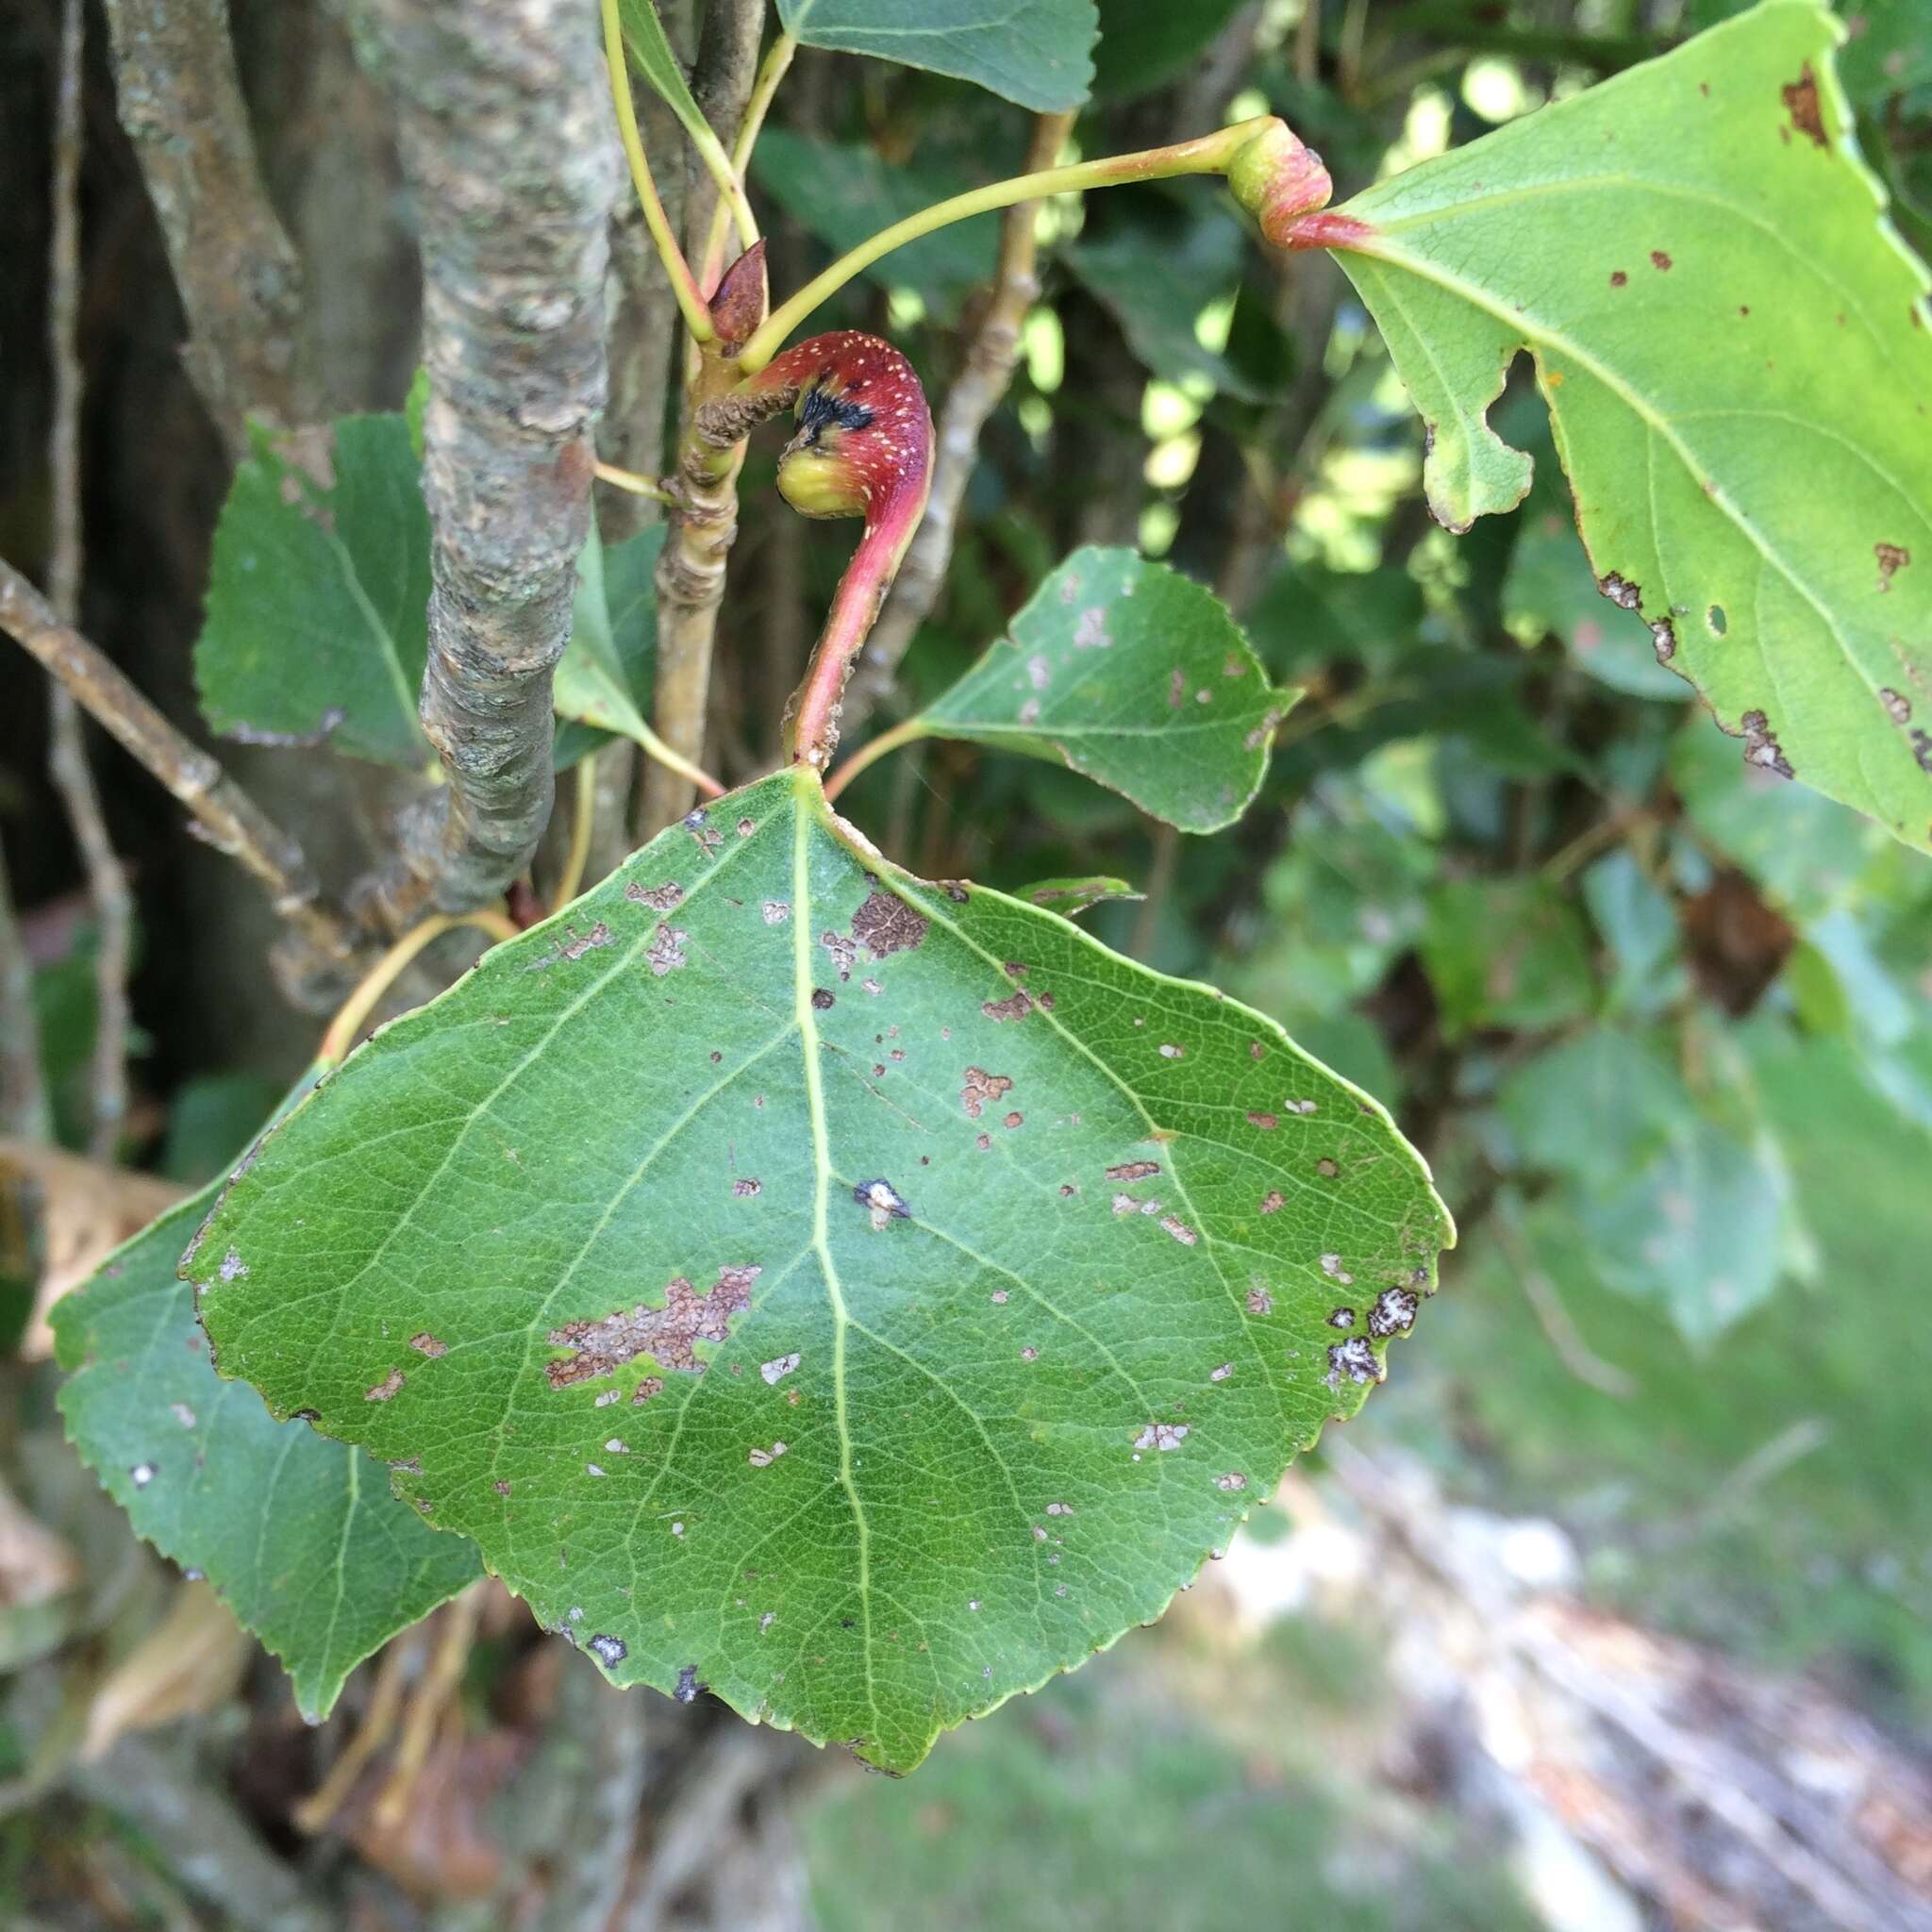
(508, 153)
(181, 104)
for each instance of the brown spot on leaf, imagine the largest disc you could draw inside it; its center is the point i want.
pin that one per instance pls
(1272, 1202)
(1393, 1312)
(980, 1089)
(668, 1334)
(744, 1189)
(1327, 1168)
(1015, 1120)
(1762, 747)
(1661, 261)
(1133, 1171)
(1618, 278)
(650, 1386)
(888, 924)
(425, 1343)
(664, 898)
(1800, 104)
(1353, 1360)
(1266, 1121)
(1921, 742)
(1016, 1006)
(1892, 557)
(666, 953)
(1898, 708)
(1620, 590)
(824, 999)
(843, 949)
(387, 1389)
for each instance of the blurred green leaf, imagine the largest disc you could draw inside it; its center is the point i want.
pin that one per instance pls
(643, 35)
(1505, 953)
(1133, 675)
(1143, 47)
(1071, 897)
(843, 191)
(1035, 52)
(318, 602)
(604, 678)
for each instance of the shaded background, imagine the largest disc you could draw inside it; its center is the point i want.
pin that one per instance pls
(1612, 1610)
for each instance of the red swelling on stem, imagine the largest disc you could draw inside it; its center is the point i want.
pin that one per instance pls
(863, 447)
(1284, 185)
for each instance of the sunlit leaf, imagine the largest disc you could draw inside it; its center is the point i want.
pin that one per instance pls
(1133, 675)
(1736, 354)
(318, 600)
(300, 1535)
(1036, 52)
(861, 1297)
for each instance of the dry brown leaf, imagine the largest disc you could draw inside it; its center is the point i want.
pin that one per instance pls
(83, 1210)
(190, 1663)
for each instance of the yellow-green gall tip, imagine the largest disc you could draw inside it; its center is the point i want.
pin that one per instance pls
(1278, 179)
(819, 482)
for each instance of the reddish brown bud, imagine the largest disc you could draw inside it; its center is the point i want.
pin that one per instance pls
(742, 299)
(1279, 180)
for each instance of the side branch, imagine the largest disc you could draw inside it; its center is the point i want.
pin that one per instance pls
(230, 820)
(180, 102)
(506, 145)
(978, 391)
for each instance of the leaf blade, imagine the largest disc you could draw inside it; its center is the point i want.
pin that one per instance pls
(1134, 676)
(1732, 345)
(1036, 52)
(853, 1241)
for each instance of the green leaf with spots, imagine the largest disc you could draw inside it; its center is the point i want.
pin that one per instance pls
(300, 1535)
(863, 1297)
(318, 601)
(1133, 675)
(604, 679)
(1737, 357)
(1039, 53)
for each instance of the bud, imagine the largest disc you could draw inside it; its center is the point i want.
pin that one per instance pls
(1279, 180)
(740, 302)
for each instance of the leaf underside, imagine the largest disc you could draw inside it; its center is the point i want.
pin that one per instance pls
(861, 1297)
(1036, 52)
(1735, 355)
(300, 1535)
(1133, 675)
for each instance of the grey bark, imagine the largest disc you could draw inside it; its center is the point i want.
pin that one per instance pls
(509, 151)
(181, 104)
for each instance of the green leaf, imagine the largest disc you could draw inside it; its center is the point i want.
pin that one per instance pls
(1144, 47)
(604, 678)
(300, 1535)
(318, 602)
(1071, 897)
(1734, 348)
(1133, 675)
(1036, 52)
(644, 34)
(1156, 278)
(1505, 953)
(845, 191)
(1010, 1267)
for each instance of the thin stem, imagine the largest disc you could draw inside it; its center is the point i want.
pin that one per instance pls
(776, 64)
(908, 731)
(67, 764)
(231, 821)
(355, 1011)
(583, 818)
(631, 480)
(23, 1111)
(691, 301)
(653, 747)
(1208, 155)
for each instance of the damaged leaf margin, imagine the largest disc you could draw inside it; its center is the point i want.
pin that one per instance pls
(1734, 346)
(1005, 1276)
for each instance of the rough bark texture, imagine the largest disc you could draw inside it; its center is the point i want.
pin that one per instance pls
(691, 573)
(181, 105)
(225, 816)
(507, 148)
